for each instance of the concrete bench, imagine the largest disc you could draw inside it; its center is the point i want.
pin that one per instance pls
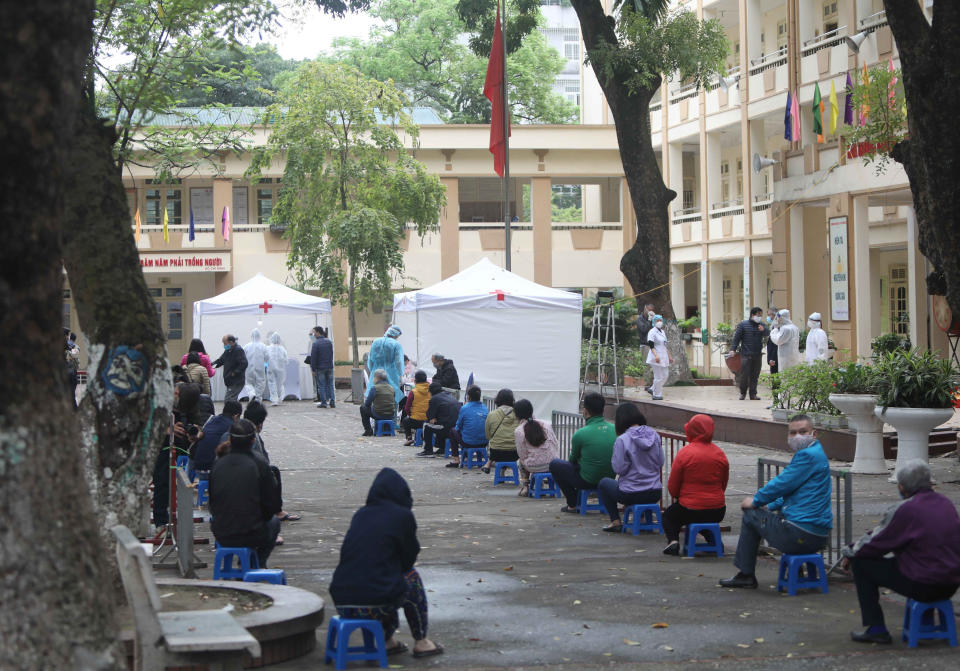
(184, 638)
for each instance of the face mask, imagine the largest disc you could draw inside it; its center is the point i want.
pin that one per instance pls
(659, 325)
(769, 320)
(812, 324)
(800, 442)
(651, 314)
(312, 337)
(756, 319)
(227, 346)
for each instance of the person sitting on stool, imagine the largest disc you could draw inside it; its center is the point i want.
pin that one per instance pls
(470, 428)
(442, 413)
(379, 403)
(797, 518)
(923, 533)
(590, 454)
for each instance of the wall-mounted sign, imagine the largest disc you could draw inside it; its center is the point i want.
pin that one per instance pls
(839, 270)
(197, 262)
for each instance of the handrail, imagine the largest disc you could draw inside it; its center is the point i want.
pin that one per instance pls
(767, 61)
(874, 21)
(828, 39)
(727, 204)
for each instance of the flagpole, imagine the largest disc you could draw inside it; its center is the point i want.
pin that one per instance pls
(506, 143)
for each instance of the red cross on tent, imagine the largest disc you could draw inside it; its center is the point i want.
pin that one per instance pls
(500, 295)
(265, 306)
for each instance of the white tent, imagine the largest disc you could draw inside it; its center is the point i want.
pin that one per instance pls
(506, 330)
(269, 306)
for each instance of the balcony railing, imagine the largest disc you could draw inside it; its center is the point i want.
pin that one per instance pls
(684, 92)
(762, 202)
(829, 39)
(686, 214)
(874, 21)
(768, 61)
(656, 106)
(732, 72)
(727, 208)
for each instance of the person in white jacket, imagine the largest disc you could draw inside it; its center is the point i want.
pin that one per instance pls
(276, 368)
(786, 336)
(256, 353)
(816, 339)
(659, 358)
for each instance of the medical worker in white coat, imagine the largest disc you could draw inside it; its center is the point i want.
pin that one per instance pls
(256, 353)
(276, 368)
(786, 336)
(658, 357)
(817, 344)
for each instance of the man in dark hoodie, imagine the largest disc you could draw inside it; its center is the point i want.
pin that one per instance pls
(446, 373)
(375, 577)
(234, 362)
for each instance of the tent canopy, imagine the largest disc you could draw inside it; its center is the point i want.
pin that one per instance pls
(506, 330)
(484, 285)
(261, 295)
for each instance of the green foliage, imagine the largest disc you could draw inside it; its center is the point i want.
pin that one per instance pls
(676, 43)
(420, 48)
(915, 379)
(886, 120)
(855, 378)
(350, 187)
(886, 343)
(145, 54)
(481, 15)
(633, 362)
(624, 319)
(690, 324)
(804, 388)
(567, 214)
(240, 76)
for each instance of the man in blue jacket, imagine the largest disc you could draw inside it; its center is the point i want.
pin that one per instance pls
(791, 512)
(748, 338)
(321, 365)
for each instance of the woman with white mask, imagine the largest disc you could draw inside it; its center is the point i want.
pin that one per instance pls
(658, 357)
(816, 339)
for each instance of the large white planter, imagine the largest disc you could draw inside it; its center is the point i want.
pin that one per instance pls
(913, 427)
(859, 408)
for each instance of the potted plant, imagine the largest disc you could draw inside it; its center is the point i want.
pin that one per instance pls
(889, 342)
(806, 389)
(915, 394)
(688, 326)
(855, 394)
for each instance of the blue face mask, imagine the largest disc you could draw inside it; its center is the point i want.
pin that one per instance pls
(769, 321)
(227, 346)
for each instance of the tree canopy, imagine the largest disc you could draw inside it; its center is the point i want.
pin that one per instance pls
(239, 76)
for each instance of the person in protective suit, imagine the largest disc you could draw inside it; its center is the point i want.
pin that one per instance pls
(276, 368)
(786, 336)
(256, 353)
(387, 353)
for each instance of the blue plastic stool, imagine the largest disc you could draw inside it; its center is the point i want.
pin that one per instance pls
(919, 622)
(418, 438)
(338, 642)
(473, 457)
(543, 484)
(202, 493)
(500, 476)
(641, 517)
(386, 427)
(789, 575)
(586, 507)
(223, 568)
(274, 576)
(711, 534)
(183, 461)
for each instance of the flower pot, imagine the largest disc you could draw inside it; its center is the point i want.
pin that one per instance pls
(913, 427)
(859, 408)
(781, 414)
(825, 421)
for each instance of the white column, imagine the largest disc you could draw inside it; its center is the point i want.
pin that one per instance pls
(747, 284)
(864, 281)
(806, 22)
(677, 293)
(916, 283)
(758, 145)
(754, 28)
(714, 155)
(676, 173)
(796, 305)
(715, 294)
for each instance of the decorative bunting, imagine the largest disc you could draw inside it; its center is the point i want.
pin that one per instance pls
(865, 107)
(136, 223)
(848, 103)
(795, 115)
(191, 235)
(225, 223)
(166, 229)
(817, 113)
(787, 121)
(834, 108)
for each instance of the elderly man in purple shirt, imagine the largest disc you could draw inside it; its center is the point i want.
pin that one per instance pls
(923, 533)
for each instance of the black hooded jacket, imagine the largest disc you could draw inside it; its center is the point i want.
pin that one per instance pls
(447, 375)
(379, 548)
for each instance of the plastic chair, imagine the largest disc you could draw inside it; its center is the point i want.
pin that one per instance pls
(585, 506)
(711, 535)
(500, 476)
(183, 461)
(223, 568)
(203, 497)
(274, 576)
(919, 622)
(543, 484)
(790, 578)
(338, 642)
(418, 438)
(473, 457)
(386, 427)
(641, 517)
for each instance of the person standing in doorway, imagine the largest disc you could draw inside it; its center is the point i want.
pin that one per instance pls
(234, 362)
(321, 364)
(748, 338)
(658, 358)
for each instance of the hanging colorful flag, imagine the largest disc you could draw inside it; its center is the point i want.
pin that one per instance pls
(817, 113)
(787, 121)
(865, 106)
(848, 103)
(495, 91)
(136, 223)
(834, 108)
(892, 94)
(225, 223)
(795, 115)
(191, 235)
(166, 229)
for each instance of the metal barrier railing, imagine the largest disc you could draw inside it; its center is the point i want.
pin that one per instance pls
(842, 534)
(489, 402)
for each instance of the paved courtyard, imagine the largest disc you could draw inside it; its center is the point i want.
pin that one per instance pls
(514, 583)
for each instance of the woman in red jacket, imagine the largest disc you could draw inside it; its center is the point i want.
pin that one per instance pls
(698, 480)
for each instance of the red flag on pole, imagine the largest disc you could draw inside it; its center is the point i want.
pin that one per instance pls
(493, 89)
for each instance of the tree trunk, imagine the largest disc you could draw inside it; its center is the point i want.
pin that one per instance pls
(351, 309)
(646, 265)
(125, 422)
(55, 613)
(930, 62)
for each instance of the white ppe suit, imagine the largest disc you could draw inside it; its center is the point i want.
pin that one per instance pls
(256, 353)
(786, 336)
(276, 368)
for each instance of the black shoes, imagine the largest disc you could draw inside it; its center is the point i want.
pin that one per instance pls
(425, 454)
(754, 398)
(866, 637)
(740, 580)
(366, 434)
(673, 549)
(743, 397)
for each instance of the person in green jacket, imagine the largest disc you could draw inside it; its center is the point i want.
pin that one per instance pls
(590, 454)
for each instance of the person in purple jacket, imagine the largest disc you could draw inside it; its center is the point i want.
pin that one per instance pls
(923, 533)
(637, 460)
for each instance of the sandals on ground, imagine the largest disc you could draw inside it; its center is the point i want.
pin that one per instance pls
(524, 491)
(399, 648)
(429, 653)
